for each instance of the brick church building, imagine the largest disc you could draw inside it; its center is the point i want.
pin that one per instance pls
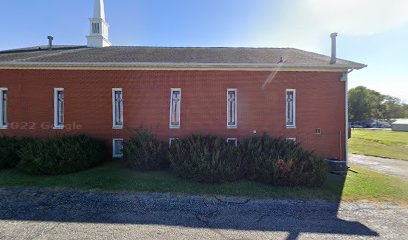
(107, 91)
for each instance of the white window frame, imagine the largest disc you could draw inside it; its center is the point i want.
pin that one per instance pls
(291, 139)
(233, 139)
(56, 113)
(178, 109)
(294, 108)
(114, 125)
(114, 154)
(171, 140)
(3, 125)
(235, 110)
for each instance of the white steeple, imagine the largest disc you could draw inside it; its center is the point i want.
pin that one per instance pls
(99, 28)
(99, 9)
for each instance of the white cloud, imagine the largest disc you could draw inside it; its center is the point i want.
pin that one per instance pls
(306, 24)
(355, 17)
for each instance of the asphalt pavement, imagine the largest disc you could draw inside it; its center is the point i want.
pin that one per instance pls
(389, 166)
(50, 214)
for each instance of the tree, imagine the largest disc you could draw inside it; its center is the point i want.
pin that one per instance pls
(393, 108)
(365, 104)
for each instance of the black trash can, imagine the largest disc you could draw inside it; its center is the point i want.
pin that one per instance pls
(337, 166)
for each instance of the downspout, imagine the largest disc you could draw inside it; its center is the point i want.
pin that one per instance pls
(346, 135)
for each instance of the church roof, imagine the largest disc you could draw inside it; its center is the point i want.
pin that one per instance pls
(171, 56)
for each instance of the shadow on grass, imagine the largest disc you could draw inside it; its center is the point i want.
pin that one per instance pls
(294, 217)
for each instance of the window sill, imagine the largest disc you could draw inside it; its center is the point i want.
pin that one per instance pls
(291, 127)
(58, 127)
(232, 127)
(3, 127)
(174, 127)
(117, 156)
(117, 127)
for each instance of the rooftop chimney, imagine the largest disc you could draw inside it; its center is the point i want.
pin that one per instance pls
(50, 38)
(333, 48)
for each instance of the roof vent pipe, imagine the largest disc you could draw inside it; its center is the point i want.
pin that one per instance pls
(333, 48)
(50, 38)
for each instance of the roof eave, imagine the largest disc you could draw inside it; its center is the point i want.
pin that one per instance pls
(177, 66)
(359, 66)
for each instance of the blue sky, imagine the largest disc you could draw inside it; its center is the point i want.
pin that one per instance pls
(374, 32)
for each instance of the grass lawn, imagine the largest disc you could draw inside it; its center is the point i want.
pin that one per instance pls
(113, 177)
(380, 143)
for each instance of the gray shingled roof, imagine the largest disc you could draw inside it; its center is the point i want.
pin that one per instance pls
(170, 55)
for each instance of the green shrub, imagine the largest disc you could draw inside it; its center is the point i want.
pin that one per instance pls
(207, 159)
(280, 162)
(144, 152)
(9, 146)
(61, 155)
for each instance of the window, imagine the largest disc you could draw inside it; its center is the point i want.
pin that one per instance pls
(117, 108)
(232, 141)
(171, 140)
(318, 131)
(175, 102)
(291, 108)
(291, 139)
(117, 148)
(58, 108)
(95, 28)
(3, 107)
(232, 108)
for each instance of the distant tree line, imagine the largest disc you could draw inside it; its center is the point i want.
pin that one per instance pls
(367, 104)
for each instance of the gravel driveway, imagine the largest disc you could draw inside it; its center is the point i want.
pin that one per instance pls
(395, 167)
(46, 214)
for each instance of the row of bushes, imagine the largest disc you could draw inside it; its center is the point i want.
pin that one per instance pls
(207, 159)
(211, 159)
(51, 156)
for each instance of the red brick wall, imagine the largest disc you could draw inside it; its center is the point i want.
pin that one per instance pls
(261, 104)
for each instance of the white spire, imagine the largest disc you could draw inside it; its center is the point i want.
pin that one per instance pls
(99, 9)
(99, 36)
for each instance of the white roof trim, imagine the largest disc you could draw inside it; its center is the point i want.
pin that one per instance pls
(176, 66)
